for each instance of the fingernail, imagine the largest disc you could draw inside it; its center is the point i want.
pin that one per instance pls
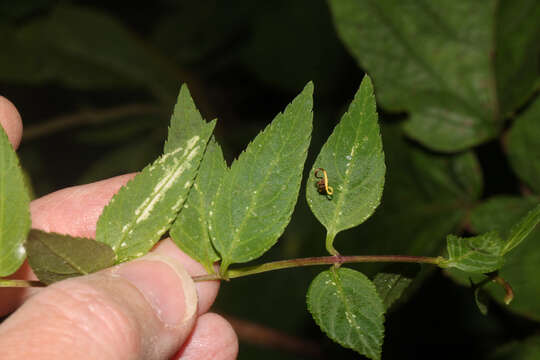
(166, 286)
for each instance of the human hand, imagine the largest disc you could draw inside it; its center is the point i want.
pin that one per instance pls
(148, 308)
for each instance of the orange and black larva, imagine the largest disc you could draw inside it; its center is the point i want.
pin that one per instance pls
(322, 184)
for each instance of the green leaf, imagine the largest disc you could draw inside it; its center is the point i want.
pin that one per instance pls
(354, 161)
(478, 254)
(54, 257)
(390, 287)
(431, 60)
(190, 229)
(528, 349)
(144, 209)
(185, 122)
(520, 269)
(517, 37)
(522, 229)
(346, 306)
(257, 196)
(524, 146)
(14, 209)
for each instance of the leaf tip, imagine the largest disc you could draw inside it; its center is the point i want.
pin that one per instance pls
(309, 87)
(367, 83)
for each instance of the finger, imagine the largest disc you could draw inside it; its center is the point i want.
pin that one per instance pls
(75, 211)
(143, 309)
(10, 121)
(213, 338)
(207, 290)
(72, 211)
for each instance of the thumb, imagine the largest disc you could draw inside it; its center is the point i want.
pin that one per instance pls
(143, 309)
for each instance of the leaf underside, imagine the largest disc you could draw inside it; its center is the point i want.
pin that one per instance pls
(502, 213)
(478, 254)
(14, 209)
(190, 229)
(522, 229)
(143, 210)
(54, 257)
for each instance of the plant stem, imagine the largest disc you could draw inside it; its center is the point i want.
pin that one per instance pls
(20, 283)
(84, 117)
(323, 260)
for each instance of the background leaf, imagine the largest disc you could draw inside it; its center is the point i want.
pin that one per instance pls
(108, 54)
(410, 49)
(354, 161)
(142, 211)
(54, 257)
(190, 229)
(478, 254)
(391, 286)
(524, 146)
(257, 196)
(346, 306)
(517, 48)
(14, 209)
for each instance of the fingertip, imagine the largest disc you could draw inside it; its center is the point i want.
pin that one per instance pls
(166, 285)
(213, 338)
(207, 290)
(10, 119)
(143, 309)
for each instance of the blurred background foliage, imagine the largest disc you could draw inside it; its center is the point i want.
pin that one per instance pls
(457, 84)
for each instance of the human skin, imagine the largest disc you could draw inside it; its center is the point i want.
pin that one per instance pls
(144, 309)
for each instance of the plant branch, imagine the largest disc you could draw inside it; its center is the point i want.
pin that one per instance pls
(323, 260)
(20, 283)
(84, 117)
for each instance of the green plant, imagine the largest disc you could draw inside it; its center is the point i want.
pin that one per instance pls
(235, 214)
(457, 90)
